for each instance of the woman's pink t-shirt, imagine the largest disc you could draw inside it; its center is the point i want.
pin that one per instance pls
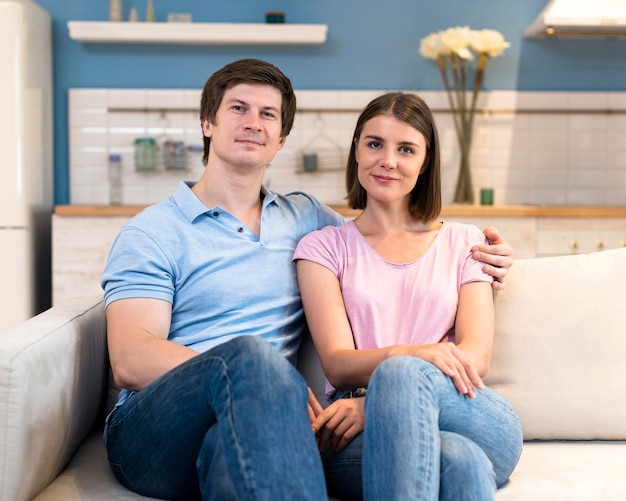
(388, 304)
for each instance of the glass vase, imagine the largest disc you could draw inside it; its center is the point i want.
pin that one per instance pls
(464, 192)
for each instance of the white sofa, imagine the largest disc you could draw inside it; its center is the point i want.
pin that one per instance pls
(558, 357)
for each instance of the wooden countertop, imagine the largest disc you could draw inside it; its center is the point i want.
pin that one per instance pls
(447, 211)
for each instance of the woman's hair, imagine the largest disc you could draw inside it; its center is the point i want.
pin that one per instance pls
(251, 71)
(425, 198)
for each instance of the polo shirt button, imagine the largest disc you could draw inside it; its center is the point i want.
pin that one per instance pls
(216, 213)
(240, 229)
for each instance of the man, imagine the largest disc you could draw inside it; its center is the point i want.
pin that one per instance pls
(204, 315)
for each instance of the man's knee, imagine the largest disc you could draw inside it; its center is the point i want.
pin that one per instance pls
(266, 365)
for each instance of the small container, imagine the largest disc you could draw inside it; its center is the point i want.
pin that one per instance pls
(179, 17)
(309, 162)
(174, 155)
(116, 11)
(486, 196)
(115, 179)
(145, 154)
(274, 16)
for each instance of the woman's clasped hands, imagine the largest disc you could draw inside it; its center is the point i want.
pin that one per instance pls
(336, 425)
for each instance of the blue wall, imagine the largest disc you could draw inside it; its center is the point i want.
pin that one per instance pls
(369, 46)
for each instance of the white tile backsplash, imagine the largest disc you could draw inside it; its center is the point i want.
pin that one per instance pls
(587, 100)
(127, 98)
(616, 196)
(165, 99)
(548, 148)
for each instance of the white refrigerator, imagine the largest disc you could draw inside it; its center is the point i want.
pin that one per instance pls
(26, 177)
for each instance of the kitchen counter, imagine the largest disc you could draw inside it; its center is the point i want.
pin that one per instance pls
(447, 211)
(83, 234)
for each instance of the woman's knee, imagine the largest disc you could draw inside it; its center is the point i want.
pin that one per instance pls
(396, 371)
(460, 451)
(463, 462)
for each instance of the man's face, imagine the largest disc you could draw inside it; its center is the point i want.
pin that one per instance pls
(247, 128)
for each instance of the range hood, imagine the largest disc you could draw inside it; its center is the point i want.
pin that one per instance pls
(580, 19)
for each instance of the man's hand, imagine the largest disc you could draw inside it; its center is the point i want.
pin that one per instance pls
(497, 256)
(339, 423)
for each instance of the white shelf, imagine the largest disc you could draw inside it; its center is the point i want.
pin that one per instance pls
(198, 33)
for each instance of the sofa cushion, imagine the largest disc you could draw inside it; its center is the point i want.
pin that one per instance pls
(88, 477)
(568, 471)
(560, 345)
(53, 372)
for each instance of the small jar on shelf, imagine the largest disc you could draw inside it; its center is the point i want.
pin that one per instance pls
(174, 155)
(145, 154)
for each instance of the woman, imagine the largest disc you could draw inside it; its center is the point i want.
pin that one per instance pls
(399, 309)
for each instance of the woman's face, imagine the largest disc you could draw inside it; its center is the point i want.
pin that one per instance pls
(390, 156)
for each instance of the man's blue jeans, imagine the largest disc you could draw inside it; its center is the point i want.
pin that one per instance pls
(424, 440)
(230, 423)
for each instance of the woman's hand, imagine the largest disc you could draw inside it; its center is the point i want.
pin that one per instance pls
(314, 407)
(497, 256)
(339, 423)
(451, 361)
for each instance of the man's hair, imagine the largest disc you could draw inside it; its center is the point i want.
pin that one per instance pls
(425, 201)
(251, 71)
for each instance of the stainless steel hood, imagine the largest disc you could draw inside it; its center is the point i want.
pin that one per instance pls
(580, 19)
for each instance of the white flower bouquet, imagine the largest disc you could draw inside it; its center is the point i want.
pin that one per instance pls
(452, 49)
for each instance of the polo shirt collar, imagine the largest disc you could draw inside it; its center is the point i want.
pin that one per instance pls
(268, 196)
(191, 206)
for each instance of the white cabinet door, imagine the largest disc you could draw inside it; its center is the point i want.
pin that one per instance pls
(80, 246)
(559, 236)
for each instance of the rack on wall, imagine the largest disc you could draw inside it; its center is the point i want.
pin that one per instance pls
(198, 33)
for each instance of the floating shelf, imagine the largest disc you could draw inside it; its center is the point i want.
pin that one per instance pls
(198, 33)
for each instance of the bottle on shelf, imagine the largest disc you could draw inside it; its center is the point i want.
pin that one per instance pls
(115, 11)
(150, 12)
(115, 179)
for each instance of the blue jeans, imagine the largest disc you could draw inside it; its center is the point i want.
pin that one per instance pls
(231, 423)
(424, 440)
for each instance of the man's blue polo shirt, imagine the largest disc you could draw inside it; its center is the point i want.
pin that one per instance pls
(221, 279)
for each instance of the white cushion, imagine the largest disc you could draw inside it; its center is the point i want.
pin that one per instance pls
(560, 346)
(568, 471)
(53, 371)
(88, 477)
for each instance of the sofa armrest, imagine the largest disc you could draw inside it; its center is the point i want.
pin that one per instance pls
(53, 379)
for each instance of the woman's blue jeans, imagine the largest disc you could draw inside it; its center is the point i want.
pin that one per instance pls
(231, 423)
(424, 440)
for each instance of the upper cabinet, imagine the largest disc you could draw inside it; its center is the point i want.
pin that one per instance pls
(198, 33)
